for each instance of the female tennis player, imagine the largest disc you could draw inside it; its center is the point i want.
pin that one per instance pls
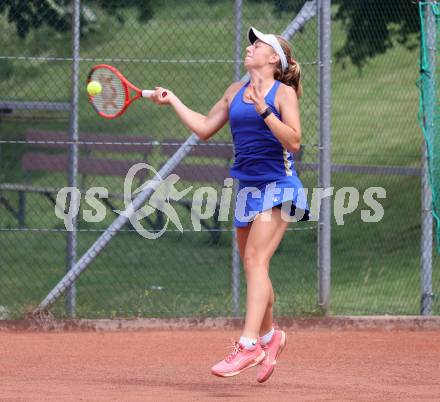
(265, 124)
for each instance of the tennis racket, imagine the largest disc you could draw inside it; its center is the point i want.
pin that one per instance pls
(117, 92)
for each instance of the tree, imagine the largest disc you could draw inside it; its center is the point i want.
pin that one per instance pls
(57, 14)
(372, 26)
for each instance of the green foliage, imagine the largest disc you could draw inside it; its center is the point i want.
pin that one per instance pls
(144, 7)
(57, 14)
(281, 6)
(371, 26)
(27, 15)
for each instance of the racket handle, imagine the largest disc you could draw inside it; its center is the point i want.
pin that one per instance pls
(146, 93)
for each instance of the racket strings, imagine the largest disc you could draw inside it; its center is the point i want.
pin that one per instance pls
(112, 98)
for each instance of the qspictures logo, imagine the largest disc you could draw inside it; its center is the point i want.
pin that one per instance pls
(206, 200)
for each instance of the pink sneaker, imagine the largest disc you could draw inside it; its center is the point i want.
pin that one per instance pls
(239, 360)
(272, 351)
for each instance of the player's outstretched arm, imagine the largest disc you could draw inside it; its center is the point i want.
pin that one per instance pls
(204, 126)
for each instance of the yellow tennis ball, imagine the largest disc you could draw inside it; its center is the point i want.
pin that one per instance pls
(94, 88)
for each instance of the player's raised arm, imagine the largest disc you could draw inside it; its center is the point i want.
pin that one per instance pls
(287, 130)
(204, 126)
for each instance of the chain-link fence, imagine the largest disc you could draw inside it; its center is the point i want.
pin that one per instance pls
(189, 48)
(374, 110)
(194, 48)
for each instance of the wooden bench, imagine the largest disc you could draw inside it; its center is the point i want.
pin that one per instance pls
(38, 159)
(91, 165)
(25, 111)
(192, 171)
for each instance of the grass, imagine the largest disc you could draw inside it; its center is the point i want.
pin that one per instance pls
(375, 267)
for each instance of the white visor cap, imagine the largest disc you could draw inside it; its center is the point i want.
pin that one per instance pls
(254, 34)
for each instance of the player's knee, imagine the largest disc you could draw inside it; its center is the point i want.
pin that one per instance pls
(253, 261)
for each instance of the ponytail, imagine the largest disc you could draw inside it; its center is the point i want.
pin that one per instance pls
(292, 75)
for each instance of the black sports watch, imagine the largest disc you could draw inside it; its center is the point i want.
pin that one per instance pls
(266, 113)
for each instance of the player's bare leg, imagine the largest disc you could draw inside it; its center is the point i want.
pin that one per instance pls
(264, 236)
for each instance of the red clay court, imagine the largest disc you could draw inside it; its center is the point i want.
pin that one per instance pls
(155, 365)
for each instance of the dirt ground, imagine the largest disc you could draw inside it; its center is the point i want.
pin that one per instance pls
(317, 365)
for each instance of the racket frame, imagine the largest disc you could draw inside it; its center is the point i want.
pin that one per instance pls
(126, 85)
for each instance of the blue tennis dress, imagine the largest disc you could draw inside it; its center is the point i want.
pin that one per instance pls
(264, 168)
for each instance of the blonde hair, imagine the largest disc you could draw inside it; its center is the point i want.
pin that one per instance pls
(291, 76)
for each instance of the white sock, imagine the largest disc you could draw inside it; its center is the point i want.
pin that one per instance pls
(248, 343)
(265, 339)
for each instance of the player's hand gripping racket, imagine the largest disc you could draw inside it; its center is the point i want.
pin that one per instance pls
(117, 92)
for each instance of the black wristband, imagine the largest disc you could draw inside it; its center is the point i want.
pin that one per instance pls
(266, 113)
